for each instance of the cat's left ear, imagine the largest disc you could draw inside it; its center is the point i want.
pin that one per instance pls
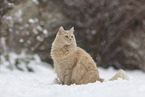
(61, 30)
(72, 30)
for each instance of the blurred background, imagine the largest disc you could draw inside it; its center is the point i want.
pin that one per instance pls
(112, 31)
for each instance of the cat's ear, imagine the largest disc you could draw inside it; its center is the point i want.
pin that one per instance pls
(61, 30)
(72, 29)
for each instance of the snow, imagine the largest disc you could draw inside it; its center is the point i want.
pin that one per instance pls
(39, 28)
(21, 40)
(45, 31)
(8, 17)
(18, 13)
(39, 38)
(41, 83)
(31, 21)
(35, 1)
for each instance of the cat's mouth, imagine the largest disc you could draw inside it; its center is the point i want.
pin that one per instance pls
(69, 43)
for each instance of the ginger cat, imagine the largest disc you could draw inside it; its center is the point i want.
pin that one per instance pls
(74, 65)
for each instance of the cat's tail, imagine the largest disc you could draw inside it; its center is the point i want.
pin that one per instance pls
(120, 74)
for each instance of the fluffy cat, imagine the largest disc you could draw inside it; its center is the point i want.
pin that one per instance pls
(74, 65)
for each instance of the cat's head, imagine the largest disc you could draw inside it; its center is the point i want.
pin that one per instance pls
(66, 36)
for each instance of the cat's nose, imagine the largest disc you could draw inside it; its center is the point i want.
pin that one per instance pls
(70, 39)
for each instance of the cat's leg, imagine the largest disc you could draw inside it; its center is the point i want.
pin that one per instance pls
(89, 77)
(58, 72)
(67, 77)
(57, 81)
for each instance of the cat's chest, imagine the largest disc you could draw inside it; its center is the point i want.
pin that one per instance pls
(63, 54)
(67, 59)
(64, 64)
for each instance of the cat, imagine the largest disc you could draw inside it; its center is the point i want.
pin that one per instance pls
(72, 64)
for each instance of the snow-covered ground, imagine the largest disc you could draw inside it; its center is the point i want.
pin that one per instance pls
(41, 84)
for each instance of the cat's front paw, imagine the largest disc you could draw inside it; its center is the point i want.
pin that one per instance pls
(57, 81)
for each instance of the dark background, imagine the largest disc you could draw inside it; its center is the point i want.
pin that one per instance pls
(112, 31)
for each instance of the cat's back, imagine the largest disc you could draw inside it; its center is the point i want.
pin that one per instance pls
(85, 70)
(85, 58)
(82, 53)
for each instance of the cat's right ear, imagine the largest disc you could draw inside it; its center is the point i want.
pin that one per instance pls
(61, 30)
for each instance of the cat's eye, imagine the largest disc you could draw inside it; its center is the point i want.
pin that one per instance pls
(71, 36)
(66, 36)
